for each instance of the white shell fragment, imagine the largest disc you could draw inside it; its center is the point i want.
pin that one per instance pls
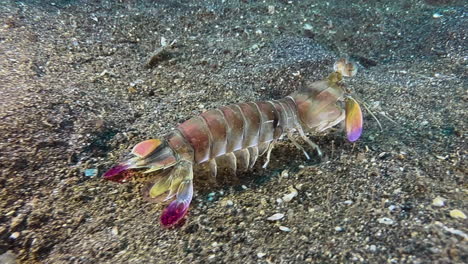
(457, 214)
(452, 230)
(275, 217)
(288, 197)
(115, 231)
(271, 9)
(15, 235)
(438, 201)
(285, 229)
(339, 229)
(385, 221)
(308, 27)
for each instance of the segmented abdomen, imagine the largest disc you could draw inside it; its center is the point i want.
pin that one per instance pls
(236, 127)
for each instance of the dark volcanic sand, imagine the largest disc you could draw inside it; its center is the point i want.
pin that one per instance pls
(75, 94)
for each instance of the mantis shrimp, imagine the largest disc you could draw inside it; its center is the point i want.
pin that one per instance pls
(239, 134)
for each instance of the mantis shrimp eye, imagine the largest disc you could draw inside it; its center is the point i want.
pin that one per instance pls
(345, 67)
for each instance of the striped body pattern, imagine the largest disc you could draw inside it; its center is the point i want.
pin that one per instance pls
(238, 134)
(239, 130)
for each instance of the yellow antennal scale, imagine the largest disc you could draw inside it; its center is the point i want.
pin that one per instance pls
(353, 119)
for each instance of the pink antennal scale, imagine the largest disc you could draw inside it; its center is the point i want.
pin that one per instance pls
(145, 148)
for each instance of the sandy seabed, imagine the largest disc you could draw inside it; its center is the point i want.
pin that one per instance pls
(76, 94)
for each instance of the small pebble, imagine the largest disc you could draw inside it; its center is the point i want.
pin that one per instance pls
(385, 221)
(211, 196)
(135, 83)
(275, 217)
(372, 248)
(163, 41)
(382, 155)
(15, 235)
(391, 208)
(308, 27)
(90, 172)
(452, 230)
(8, 258)
(261, 254)
(229, 203)
(10, 213)
(288, 197)
(438, 201)
(339, 229)
(16, 221)
(115, 231)
(271, 9)
(348, 202)
(457, 214)
(285, 229)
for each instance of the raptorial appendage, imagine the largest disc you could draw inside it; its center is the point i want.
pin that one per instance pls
(173, 174)
(235, 135)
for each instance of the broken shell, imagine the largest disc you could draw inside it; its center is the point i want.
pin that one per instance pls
(275, 217)
(385, 221)
(438, 201)
(457, 214)
(288, 197)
